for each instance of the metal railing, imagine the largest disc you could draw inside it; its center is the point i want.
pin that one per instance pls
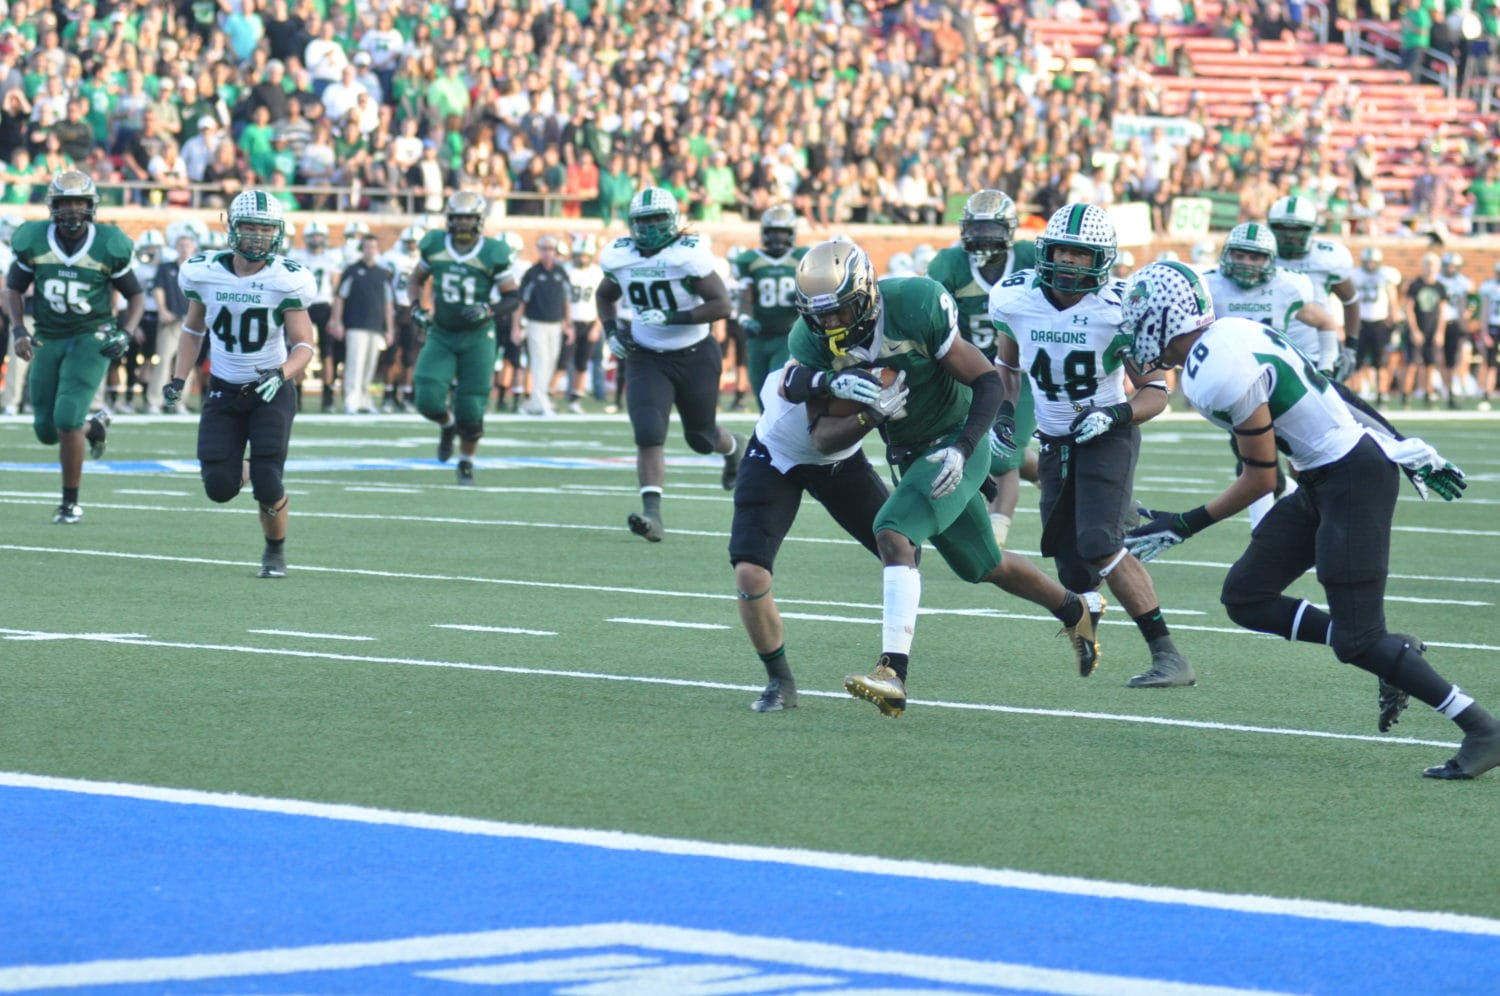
(1383, 43)
(1315, 19)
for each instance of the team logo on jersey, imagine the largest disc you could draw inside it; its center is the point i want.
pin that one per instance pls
(1080, 319)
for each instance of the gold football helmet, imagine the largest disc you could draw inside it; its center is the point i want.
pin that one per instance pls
(838, 294)
(464, 214)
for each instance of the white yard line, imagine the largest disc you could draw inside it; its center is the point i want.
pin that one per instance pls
(310, 636)
(671, 623)
(472, 628)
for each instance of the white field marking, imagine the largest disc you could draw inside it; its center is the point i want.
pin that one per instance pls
(623, 970)
(310, 636)
(1003, 878)
(637, 679)
(38, 637)
(666, 622)
(146, 491)
(494, 629)
(383, 490)
(983, 613)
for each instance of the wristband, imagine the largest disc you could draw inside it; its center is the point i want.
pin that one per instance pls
(1196, 520)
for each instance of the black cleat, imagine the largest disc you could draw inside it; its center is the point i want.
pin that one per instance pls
(273, 563)
(446, 436)
(68, 514)
(1478, 753)
(1392, 704)
(98, 430)
(465, 472)
(732, 462)
(647, 526)
(779, 694)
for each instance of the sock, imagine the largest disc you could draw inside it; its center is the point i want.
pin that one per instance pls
(1456, 703)
(776, 665)
(1000, 526)
(651, 501)
(1311, 624)
(70, 496)
(897, 663)
(275, 545)
(902, 591)
(1070, 611)
(1152, 625)
(1471, 718)
(1161, 645)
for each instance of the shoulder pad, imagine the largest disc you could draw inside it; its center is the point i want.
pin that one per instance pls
(1113, 292)
(432, 242)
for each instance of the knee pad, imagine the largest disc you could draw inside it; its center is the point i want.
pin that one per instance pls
(265, 483)
(1095, 543)
(1375, 650)
(469, 431)
(701, 442)
(222, 480)
(46, 434)
(1076, 575)
(1263, 616)
(650, 428)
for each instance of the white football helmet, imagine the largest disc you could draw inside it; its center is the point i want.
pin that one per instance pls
(653, 219)
(1083, 226)
(149, 244)
(988, 226)
(1372, 257)
(259, 208)
(585, 247)
(921, 258)
(900, 265)
(1293, 221)
(411, 237)
(315, 236)
(1252, 240)
(355, 230)
(1163, 301)
(1452, 263)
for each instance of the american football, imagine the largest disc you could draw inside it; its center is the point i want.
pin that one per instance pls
(842, 406)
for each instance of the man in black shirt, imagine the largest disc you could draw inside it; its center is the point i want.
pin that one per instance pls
(546, 293)
(364, 315)
(1426, 316)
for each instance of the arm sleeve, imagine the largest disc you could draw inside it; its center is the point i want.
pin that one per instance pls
(128, 284)
(988, 393)
(18, 277)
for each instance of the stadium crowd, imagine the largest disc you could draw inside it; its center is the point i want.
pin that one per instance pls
(855, 110)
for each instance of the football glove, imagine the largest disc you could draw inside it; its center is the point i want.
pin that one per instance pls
(619, 340)
(1428, 471)
(116, 342)
(653, 316)
(421, 318)
(951, 471)
(171, 395)
(751, 326)
(855, 385)
(475, 314)
(1093, 422)
(269, 382)
(891, 401)
(1003, 432)
(1161, 531)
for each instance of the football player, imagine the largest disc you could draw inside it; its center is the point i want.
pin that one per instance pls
(401, 259)
(1378, 289)
(325, 264)
(77, 266)
(988, 253)
(767, 287)
(584, 276)
(1487, 339)
(253, 305)
(1059, 328)
(464, 267)
(1457, 350)
(150, 246)
(1328, 266)
(1248, 380)
(849, 323)
(675, 293)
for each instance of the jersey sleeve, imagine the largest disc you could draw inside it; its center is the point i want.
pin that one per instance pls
(27, 244)
(698, 258)
(1002, 305)
(615, 256)
(118, 252)
(431, 245)
(934, 309)
(302, 290)
(187, 279)
(1220, 385)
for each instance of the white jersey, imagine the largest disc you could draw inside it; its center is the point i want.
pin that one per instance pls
(401, 264)
(325, 264)
(1272, 304)
(245, 316)
(1458, 288)
(145, 275)
(1238, 365)
(1373, 291)
(1327, 264)
(585, 281)
(660, 281)
(1489, 302)
(1073, 356)
(782, 429)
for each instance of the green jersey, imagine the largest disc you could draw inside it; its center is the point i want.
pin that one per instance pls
(773, 288)
(74, 293)
(462, 280)
(971, 292)
(917, 326)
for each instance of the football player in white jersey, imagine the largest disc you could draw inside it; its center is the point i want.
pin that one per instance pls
(1487, 337)
(672, 283)
(1457, 352)
(1325, 262)
(1248, 283)
(401, 259)
(252, 304)
(1249, 380)
(1376, 358)
(1059, 325)
(585, 349)
(325, 264)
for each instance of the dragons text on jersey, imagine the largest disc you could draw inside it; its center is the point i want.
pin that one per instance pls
(661, 281)
(246, 316)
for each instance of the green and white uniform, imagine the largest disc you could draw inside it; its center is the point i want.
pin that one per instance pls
(74, 295)
(455, 348)
(246, 316)
(917, 326)
(1272, 304)
(1327, 263)
(953, 269)
(772, 284)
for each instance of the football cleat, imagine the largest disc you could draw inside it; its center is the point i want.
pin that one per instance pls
(732, 462)
(98, 430)
(1392, 703)
(68, 514)
(273, 563)
(882, 686)
(1168, 670)
(464, 473)
(1083, 636)
(647, 526)
(446, 435)
(1478, 753)
(778, 694)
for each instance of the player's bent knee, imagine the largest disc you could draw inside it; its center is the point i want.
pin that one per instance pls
(222, 481)
(469, 431)
(46, 434)
(753, 581)
(265, 483)
(650, 430)
(1373, 649)
(701, 442)
(1095, 544)
(1075, 575)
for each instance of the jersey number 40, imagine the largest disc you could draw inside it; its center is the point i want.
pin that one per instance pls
(254, 327)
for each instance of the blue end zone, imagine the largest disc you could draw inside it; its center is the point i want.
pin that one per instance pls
(87, 877)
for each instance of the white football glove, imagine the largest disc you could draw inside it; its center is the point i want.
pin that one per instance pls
(891, 401)
(1429, 471)
(950, 473)
(651, 316)
(855, 385)
(1092, 426)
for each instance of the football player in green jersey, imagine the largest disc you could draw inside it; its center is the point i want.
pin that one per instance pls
(464, 267)
(851, 323)
(77, 267)
(767, 292)
(988, 253)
